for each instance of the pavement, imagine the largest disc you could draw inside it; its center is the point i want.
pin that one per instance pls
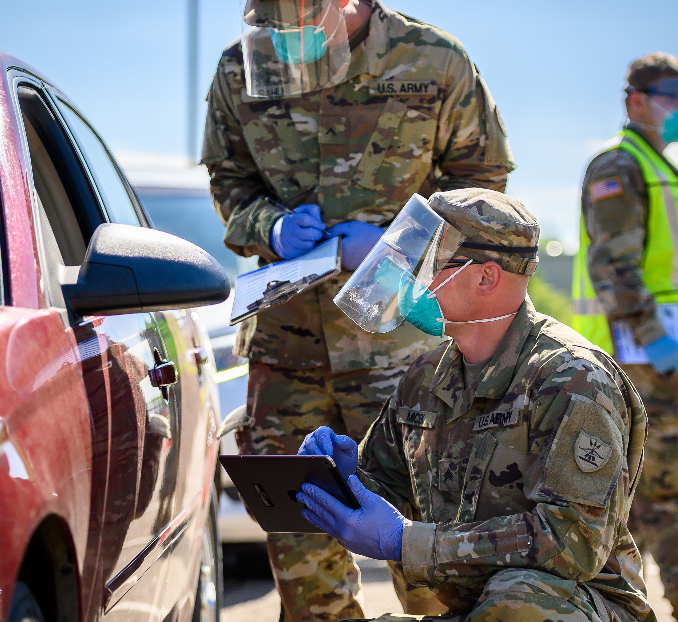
(256, 599)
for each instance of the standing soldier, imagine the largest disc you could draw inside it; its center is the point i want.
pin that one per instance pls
(502, 469)
(338, 110)
(626, 267)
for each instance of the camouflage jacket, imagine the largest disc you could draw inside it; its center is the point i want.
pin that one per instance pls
(412, 116)
(534, 465)
(617, 227)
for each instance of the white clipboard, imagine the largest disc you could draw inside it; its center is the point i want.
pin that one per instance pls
(627, 351)
(275, 283)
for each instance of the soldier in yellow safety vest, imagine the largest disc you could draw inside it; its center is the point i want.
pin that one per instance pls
(625, 287)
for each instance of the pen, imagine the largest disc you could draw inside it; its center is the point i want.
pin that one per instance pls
(289, 210)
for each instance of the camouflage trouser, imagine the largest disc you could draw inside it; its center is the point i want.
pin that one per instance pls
(317, 578)
(529, 596)
(654, 513)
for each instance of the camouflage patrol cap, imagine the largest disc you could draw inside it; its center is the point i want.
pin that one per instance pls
(280, 13)
(497, 227)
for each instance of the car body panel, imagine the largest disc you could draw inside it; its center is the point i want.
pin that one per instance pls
(176, 196)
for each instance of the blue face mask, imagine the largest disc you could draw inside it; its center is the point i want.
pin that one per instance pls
(288, 44)
(669, 129)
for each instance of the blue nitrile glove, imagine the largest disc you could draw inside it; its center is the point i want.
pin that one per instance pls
(342, 449)
(296, 234)
(663, 354)
(375, 530)
(358, 240)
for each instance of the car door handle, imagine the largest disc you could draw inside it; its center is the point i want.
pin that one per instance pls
(163, 374)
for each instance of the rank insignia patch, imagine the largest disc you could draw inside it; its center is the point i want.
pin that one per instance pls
(590, 452)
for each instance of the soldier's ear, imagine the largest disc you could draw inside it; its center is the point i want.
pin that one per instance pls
(490, 274)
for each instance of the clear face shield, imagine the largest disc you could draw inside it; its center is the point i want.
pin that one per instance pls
(399, 269)
(294, 46)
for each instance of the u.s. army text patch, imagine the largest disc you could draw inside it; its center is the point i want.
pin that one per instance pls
(404, 87)
(590, 452)
(498, 418)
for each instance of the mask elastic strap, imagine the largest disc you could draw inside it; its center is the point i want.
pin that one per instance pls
(432, 293)
(324, 17)
(489, 319)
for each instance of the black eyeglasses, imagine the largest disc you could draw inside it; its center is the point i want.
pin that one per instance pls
(458, 263)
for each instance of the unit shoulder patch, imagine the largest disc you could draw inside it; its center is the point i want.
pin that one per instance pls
(606, 188)
(590, 452)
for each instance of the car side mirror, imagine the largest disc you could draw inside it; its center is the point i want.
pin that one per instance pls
(131, 269)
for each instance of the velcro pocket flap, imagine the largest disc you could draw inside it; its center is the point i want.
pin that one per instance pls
(417, 418)
(380, 141)
(585, 459)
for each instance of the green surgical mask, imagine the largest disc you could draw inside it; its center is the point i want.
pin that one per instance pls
(288, 44)
(425, 315)
(669, 128)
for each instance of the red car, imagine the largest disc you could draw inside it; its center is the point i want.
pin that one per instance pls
(108, 409)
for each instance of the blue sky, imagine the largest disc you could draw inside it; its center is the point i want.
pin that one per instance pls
(556, 70)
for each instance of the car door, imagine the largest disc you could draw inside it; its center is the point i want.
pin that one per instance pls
(176, 469)
(135, 422)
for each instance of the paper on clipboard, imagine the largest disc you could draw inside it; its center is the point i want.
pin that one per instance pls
(276, 283)
(627, 351)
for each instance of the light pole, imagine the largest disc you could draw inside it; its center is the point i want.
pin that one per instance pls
(192, 80)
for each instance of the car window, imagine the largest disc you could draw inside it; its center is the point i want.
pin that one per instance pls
(188, 214)
(67, 209)
(113, 191)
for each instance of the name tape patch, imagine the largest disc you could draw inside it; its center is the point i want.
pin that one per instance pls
(417, 418)
(496, 419)
(404, 87)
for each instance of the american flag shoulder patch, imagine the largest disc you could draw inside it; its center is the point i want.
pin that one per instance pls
(606, 188)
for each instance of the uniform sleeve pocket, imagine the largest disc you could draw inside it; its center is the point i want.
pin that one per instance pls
(399, 153)
(585, 460)
(497, 149)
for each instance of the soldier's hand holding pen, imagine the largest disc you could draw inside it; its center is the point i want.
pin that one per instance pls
(297, 231)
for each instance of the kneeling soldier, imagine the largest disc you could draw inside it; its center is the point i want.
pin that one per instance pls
(505, 463)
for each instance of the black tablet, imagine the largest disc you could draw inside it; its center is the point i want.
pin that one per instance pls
(269, 484)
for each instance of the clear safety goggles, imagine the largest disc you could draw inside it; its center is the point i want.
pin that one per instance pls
(417, 246)
(292, 47)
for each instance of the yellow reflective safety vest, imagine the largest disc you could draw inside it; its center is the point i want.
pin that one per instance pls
(660, 259)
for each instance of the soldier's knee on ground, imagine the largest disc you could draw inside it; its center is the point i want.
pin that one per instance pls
(531, 596)
(414, 599)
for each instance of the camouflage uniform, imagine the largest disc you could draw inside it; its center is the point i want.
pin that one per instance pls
(617, 227)
(412, 116)
(517, 485)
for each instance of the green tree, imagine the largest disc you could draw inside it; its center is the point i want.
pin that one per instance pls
(549, 300)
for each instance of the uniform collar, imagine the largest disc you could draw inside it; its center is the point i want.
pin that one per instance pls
(633, 127)
(372, 56)
(494, 380)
